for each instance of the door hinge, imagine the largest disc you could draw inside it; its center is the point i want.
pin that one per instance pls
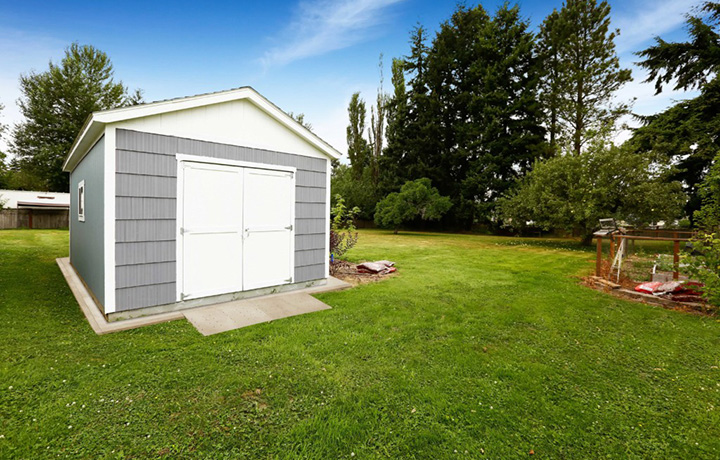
(182, 296)
(289, 227)
(289, 280)
(182, 231)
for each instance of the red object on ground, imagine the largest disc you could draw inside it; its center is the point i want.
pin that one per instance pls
(677, 290)
(648, 288)
(693, 288)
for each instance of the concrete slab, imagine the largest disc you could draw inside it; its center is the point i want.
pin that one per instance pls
(293, 305)
(209, 319)
(92, 312)
(242, 313)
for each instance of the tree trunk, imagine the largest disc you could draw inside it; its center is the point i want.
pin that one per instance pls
(395, 232)
(587, 239)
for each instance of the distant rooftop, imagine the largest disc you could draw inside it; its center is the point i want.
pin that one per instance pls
(32, 199)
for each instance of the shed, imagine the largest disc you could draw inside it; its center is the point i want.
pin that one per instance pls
(197, 200)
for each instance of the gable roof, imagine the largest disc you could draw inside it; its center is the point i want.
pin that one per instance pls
(95, 124)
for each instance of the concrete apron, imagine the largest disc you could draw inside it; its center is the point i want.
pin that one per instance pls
(210, 319)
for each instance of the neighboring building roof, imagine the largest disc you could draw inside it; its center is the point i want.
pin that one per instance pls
(31, 199)
(95, 123)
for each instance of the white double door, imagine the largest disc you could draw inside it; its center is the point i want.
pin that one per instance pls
(235, 228)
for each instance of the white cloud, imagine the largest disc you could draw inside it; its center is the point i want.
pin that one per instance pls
(647, 20)
(322, 26)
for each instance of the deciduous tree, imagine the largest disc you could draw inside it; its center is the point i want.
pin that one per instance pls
(376, 133)
(575, 191)
(417, 199)
(358, 148)
(300, 118)
(56, 103)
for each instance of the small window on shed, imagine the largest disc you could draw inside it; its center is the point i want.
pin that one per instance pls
(81, 201)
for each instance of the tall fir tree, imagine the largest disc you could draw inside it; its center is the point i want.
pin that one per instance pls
(56, 103)
(397, 113)
(419, 151)
(549, 55)
(454, 74)
(511, 136)
(583, 73)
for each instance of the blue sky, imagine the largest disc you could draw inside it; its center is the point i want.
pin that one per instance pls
(306, 56)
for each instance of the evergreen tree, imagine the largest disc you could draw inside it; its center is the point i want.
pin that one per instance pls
(396, 122)
(358, 148)
(693, 63)
(549, 38)
(413, 147)
(456, 74)
(470, 120)
(56, 103)
(583, 73)
(505, 134)
(688, 133)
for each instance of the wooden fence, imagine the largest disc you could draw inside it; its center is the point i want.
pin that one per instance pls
(33, 218)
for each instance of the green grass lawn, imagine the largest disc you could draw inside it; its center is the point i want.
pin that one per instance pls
(481, 347)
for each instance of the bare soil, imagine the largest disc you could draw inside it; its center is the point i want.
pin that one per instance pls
(348, 272)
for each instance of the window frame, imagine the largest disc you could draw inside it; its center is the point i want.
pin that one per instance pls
(81, 201)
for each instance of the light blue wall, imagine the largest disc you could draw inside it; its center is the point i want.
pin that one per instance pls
(87, 253)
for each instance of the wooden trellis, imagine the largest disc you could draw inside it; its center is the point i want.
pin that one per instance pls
(617, 236)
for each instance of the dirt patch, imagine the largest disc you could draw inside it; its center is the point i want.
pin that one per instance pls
(348, 272)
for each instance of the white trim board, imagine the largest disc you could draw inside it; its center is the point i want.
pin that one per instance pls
(241, 164)
(109, 220)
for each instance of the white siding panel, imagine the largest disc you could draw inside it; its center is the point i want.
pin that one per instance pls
(235, 123)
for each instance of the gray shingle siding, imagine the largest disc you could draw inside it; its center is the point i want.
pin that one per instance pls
(144, 296)
(146, 207)
(87, 249)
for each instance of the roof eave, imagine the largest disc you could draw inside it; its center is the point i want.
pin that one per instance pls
(88, 135)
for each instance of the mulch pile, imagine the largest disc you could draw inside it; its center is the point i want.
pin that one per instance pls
(357, 274)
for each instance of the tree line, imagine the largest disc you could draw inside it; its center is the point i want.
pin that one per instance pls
(516, 126)
(488, 122)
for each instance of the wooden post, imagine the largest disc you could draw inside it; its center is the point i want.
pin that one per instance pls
(676, 259)
(598, 261)
(30, 218)
(612, 248)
